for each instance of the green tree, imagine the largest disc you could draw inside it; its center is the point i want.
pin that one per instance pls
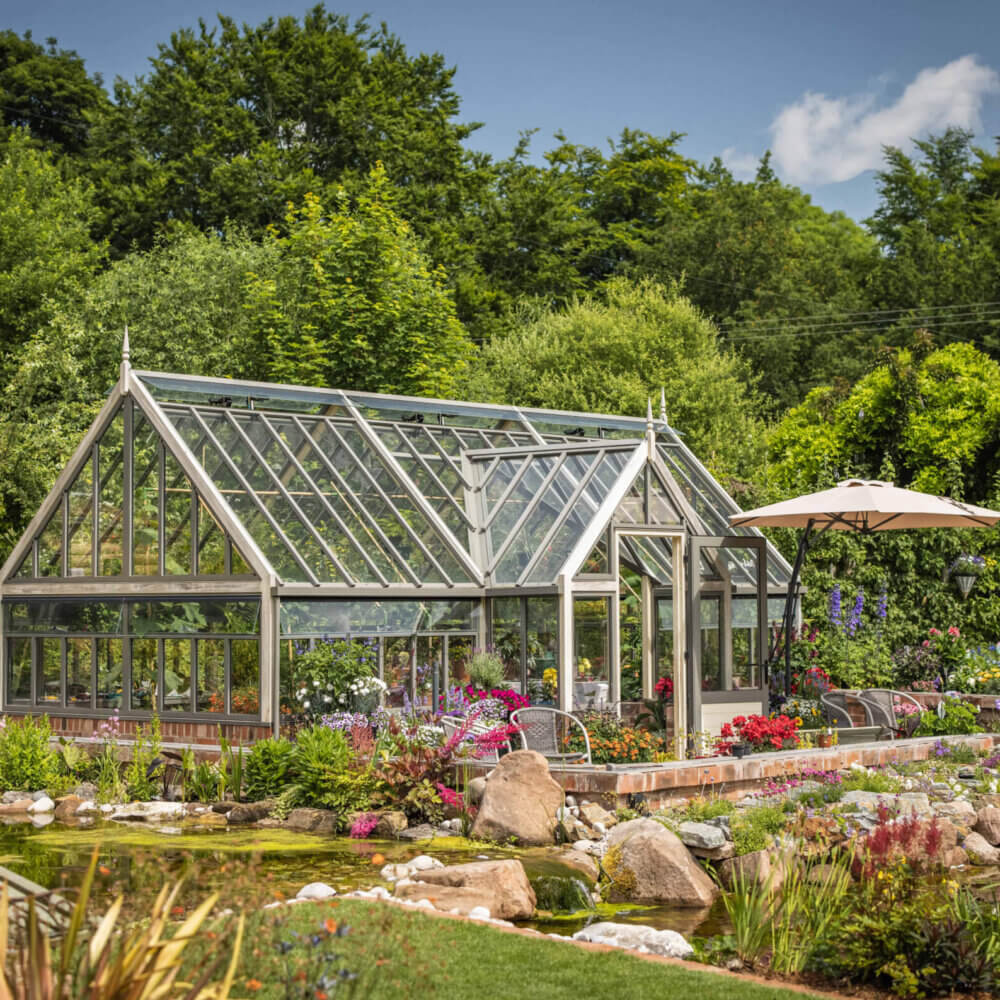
(47, 90)
(46, 251)
(609, 352)
(232, 122)
(354, 303)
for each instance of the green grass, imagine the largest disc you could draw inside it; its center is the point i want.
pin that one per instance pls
(401, 953)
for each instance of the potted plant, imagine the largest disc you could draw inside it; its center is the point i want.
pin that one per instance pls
(966, 569)
(826, 739)
(739, 749)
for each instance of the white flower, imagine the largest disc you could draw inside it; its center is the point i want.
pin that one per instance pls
(327, 699)
(315, 683)
(305, 704)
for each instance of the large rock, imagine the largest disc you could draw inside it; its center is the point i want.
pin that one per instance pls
(988, 824)
(67, 806)
(250, 812)
(15, 806)
(980, 850)
(701, 835)
(512, 897)
(903, 804)
(390, 825)
(42, 805)
(753, 868)
(591, 813)
(648, 863)
(635, 937)
(309, 821)
(520, 801)
(959, 811)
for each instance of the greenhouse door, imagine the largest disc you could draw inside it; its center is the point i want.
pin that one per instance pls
(727, 629)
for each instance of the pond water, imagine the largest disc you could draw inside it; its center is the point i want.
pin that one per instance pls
(249, 867)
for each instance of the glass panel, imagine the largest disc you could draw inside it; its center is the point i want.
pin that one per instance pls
(19, 670)
(206, 615)
(459, 651)
(109, 673)
(177, 500)
(541, 641)
(145, 497)
(79, 661)
(111, 455)
(661, 510)
(397, 670)
(665, 637)
(145, 676)
(632, 509)
(327, 617)
(50, 558)
(211, 675)
(211, 543)
(746, 637)
(48, 677)
(630, 635)
(520, 498)
(245, 677)
(506, 612)
(597, 561)
(442, 616)
(591, 685)
(710, 627)
(498, 482)
(430, 662)
(177, 675)
(27, 569)
(654, 557)
(239, 565)
(64, 616)
(81, 522)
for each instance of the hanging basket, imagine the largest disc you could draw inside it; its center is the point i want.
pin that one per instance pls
(964, 582)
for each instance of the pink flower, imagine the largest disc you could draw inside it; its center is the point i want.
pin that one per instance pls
(953, 632)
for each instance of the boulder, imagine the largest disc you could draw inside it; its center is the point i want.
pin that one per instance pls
(86, 808)
(635, 937)
(520, 801)
(224, 807)
(85, 790)
(905, 803)
(988, 824)
(701, 835)
(68, 806)
(309, 821)
(957, 857)
(207, 820)
(646, 862)
(476, 788)
(511, 892)
(423, 863)
(449, 897)
(754, 867)
(250, 812)
(591, 813)
(423, 831)
(980, 850)
(579, 861)
(43, 804)
(958, 810)
(149, 812)
(15, 806)
(316, 890)
(390, 825)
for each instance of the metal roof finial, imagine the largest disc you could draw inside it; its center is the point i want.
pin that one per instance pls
(123, 372)
(649, 413)
(663, 404)
(125, 347)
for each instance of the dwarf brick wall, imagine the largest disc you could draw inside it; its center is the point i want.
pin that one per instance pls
(204, 734)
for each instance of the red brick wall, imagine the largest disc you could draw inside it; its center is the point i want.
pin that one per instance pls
(195, 733)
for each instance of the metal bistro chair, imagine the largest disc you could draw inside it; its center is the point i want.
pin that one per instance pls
(836, 709)
(880, 708)
(451, 725)
(540, 730)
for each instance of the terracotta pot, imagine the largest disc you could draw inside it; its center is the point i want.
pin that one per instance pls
(824, 741)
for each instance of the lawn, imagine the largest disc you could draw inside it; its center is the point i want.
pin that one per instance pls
(402, 953)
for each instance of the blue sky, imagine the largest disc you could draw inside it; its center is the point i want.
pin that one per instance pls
(823, 85)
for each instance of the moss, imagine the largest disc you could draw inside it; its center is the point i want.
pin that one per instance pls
(621, 878)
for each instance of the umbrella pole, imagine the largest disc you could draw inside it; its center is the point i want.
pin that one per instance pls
(793, 586)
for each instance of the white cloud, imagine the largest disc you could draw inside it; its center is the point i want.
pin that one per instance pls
(822, 140)
(743, 165)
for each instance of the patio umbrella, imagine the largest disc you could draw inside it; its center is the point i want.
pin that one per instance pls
(860, 505)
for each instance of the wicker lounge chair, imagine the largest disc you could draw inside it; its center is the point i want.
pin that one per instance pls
(541, 729)
(836, 708)
(880, 708)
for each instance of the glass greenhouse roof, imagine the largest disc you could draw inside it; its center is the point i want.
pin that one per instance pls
(352, 491)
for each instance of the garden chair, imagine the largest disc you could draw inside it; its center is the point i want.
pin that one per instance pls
(451, 724)
(541, 729)
(880, 708)
(836, 708)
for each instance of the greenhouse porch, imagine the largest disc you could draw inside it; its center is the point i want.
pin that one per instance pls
(206, 532)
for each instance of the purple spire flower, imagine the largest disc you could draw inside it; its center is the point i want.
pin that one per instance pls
(883, 603)
(854, 621)
(835, 615)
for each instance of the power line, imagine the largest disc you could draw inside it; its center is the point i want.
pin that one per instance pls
(875, 328)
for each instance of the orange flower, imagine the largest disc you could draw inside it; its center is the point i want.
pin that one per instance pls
(104, 870)
(253, 985)
(330, 925)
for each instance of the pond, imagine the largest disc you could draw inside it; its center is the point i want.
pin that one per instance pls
(251, 867)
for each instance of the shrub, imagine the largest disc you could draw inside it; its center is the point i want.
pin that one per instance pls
(325, 674)
(485, 670)
(614, 742)
(958, 718)
(145, 767)
(755, 828)
(28, 761)
(328, 774)
(269, 768)
(701, 808)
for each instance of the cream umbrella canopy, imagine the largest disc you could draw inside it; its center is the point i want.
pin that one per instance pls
(860, 505)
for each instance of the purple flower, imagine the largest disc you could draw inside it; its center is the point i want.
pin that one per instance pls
(835, 616)
(883, 604)
(854, 621)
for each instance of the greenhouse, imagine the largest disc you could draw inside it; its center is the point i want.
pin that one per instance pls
(206, 532)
